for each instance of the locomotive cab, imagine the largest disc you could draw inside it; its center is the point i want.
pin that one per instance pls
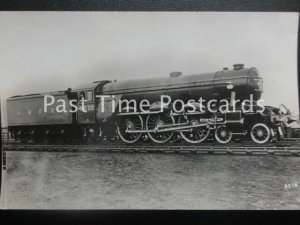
(87, 109)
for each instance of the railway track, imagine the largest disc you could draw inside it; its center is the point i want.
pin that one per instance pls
(233, 149)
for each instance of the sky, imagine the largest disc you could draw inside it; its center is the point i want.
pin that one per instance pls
(50, 51)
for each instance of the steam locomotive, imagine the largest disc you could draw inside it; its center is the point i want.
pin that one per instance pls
(183, 119)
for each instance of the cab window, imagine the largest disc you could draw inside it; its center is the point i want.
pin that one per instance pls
(81, 95)
(89, 96)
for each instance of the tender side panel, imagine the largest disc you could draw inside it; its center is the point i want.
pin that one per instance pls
(30, 111)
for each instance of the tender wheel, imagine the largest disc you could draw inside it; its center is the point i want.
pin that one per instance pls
(194, 135)
(53, 136)
(92, 133)
(97, 134)
(133, 122)
(223, 135)
(24, 136)
(155, 120)
(38, 136)
(260, 133)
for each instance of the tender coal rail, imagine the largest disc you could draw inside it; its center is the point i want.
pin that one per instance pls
(192, 149)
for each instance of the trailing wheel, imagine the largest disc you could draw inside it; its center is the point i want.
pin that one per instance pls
(260, 133)
(154, 121)
(223, 135)
(194, 135)
(127, 123)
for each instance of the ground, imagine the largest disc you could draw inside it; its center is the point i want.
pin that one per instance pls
(91, 180)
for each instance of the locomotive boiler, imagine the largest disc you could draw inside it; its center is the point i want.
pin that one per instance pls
(110, 109)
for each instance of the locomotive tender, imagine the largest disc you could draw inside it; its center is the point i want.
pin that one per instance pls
(161, 123)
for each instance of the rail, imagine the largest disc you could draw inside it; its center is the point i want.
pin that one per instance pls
(202, 149)
(287, 147)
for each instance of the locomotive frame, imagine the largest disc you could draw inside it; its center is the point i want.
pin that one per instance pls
(197, 127)
(153, 124)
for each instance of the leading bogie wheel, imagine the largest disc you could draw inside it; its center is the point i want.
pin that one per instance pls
(223, 135)
(260, 133)
(130, 123)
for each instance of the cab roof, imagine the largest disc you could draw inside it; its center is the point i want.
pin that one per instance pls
(90, 86)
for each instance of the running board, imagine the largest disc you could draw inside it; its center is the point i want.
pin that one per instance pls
(166, 129)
